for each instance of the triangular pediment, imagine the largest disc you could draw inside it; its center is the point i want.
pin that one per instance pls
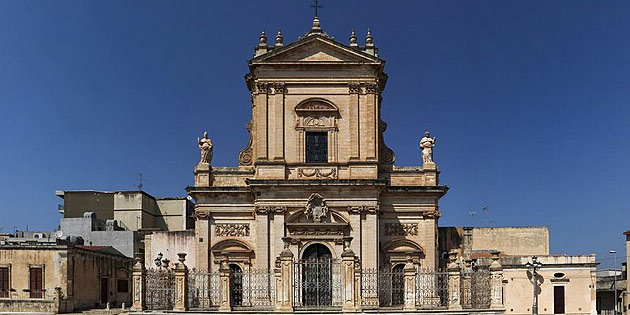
(316, 48)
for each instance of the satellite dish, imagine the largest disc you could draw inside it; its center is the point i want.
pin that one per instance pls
(58, 234)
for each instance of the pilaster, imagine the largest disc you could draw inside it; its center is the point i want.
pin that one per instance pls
(410, 273)
(286, 270)
(454, 274)
(181, 284)
(349, 287)
(224, 278)
(496, 282)
(138, 280)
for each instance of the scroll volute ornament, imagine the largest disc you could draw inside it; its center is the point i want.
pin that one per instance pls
(245, 156)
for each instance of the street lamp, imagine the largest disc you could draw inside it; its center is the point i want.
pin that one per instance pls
(615, 277)
(534, 265)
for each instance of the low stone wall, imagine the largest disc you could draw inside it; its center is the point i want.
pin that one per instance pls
(28, 305)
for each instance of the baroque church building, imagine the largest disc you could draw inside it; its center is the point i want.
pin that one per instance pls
(316, 171)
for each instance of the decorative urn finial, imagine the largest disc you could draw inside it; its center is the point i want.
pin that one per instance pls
(279, 38)
(368, 38)
(262, 41)
(353, 39)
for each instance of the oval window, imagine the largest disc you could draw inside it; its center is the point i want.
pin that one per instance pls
(559, 275)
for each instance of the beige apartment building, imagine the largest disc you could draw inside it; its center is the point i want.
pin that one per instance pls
(59, 276)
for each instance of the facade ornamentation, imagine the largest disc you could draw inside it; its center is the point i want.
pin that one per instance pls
(401, 229)
(432, 215)
(245, 156)
(317, 172)
(205, 146)
(361, 209)
(270, 209)
(370, 88)
(263, 88)
(426, 144)
(202, 214)
(232, 229)
(279, 88)
(317, 232)
(354, 88)
(387, 155)
(316, 208)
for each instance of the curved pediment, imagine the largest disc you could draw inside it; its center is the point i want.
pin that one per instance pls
(315, 105)
(231, 246)
(333, 217)
(403, 245)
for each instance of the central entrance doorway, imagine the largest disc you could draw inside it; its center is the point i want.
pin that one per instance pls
(316, 274)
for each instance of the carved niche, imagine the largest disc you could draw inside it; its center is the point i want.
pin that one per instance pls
(232, 229)
(316, 208)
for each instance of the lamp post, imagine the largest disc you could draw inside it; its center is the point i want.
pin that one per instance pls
(534, 265)
(615, 278)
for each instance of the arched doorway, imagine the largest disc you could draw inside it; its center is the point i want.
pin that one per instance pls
(236, 285)
(316, 276)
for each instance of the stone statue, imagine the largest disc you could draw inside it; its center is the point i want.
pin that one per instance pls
(205, 145)
(426, 144)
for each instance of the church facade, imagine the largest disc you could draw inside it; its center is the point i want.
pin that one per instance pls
(316, 215)
(316, 169)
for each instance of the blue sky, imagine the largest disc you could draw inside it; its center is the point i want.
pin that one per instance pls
(529, 101)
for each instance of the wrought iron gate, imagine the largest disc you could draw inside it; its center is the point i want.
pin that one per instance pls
(160, 289)
(203, 290)
(254, 288)
(382, 287)
(317, 283)
(475, 288)
(431, 289)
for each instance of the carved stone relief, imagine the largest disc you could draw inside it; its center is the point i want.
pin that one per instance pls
(401, 229)
(232, 229)
(317, 172)
(270, 209)
(316, 208)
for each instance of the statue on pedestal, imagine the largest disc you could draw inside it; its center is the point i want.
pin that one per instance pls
(205, 145)
(426, 144)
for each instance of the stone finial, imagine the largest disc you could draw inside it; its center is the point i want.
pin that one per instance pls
(353, 39)
(279, 38)
(262, 41)
(368, 39)
(316, 28)
(261, 49)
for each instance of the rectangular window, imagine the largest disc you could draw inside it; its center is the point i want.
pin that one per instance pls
(36, 284)
(316, 147)
(123, 285)
(558, 299)
(4, 282)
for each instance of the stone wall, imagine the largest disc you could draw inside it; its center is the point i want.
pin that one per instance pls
(170, 244)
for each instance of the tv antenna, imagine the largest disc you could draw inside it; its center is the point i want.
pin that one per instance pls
(140, 182)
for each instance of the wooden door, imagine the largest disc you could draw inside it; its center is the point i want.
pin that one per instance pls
(558, 299)
(104, 290)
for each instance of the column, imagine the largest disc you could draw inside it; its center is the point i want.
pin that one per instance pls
(496, 282)
(224, 274)
(181, 284)
(286, 270)
(454, 302)
(138, 286)
(349, 287)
